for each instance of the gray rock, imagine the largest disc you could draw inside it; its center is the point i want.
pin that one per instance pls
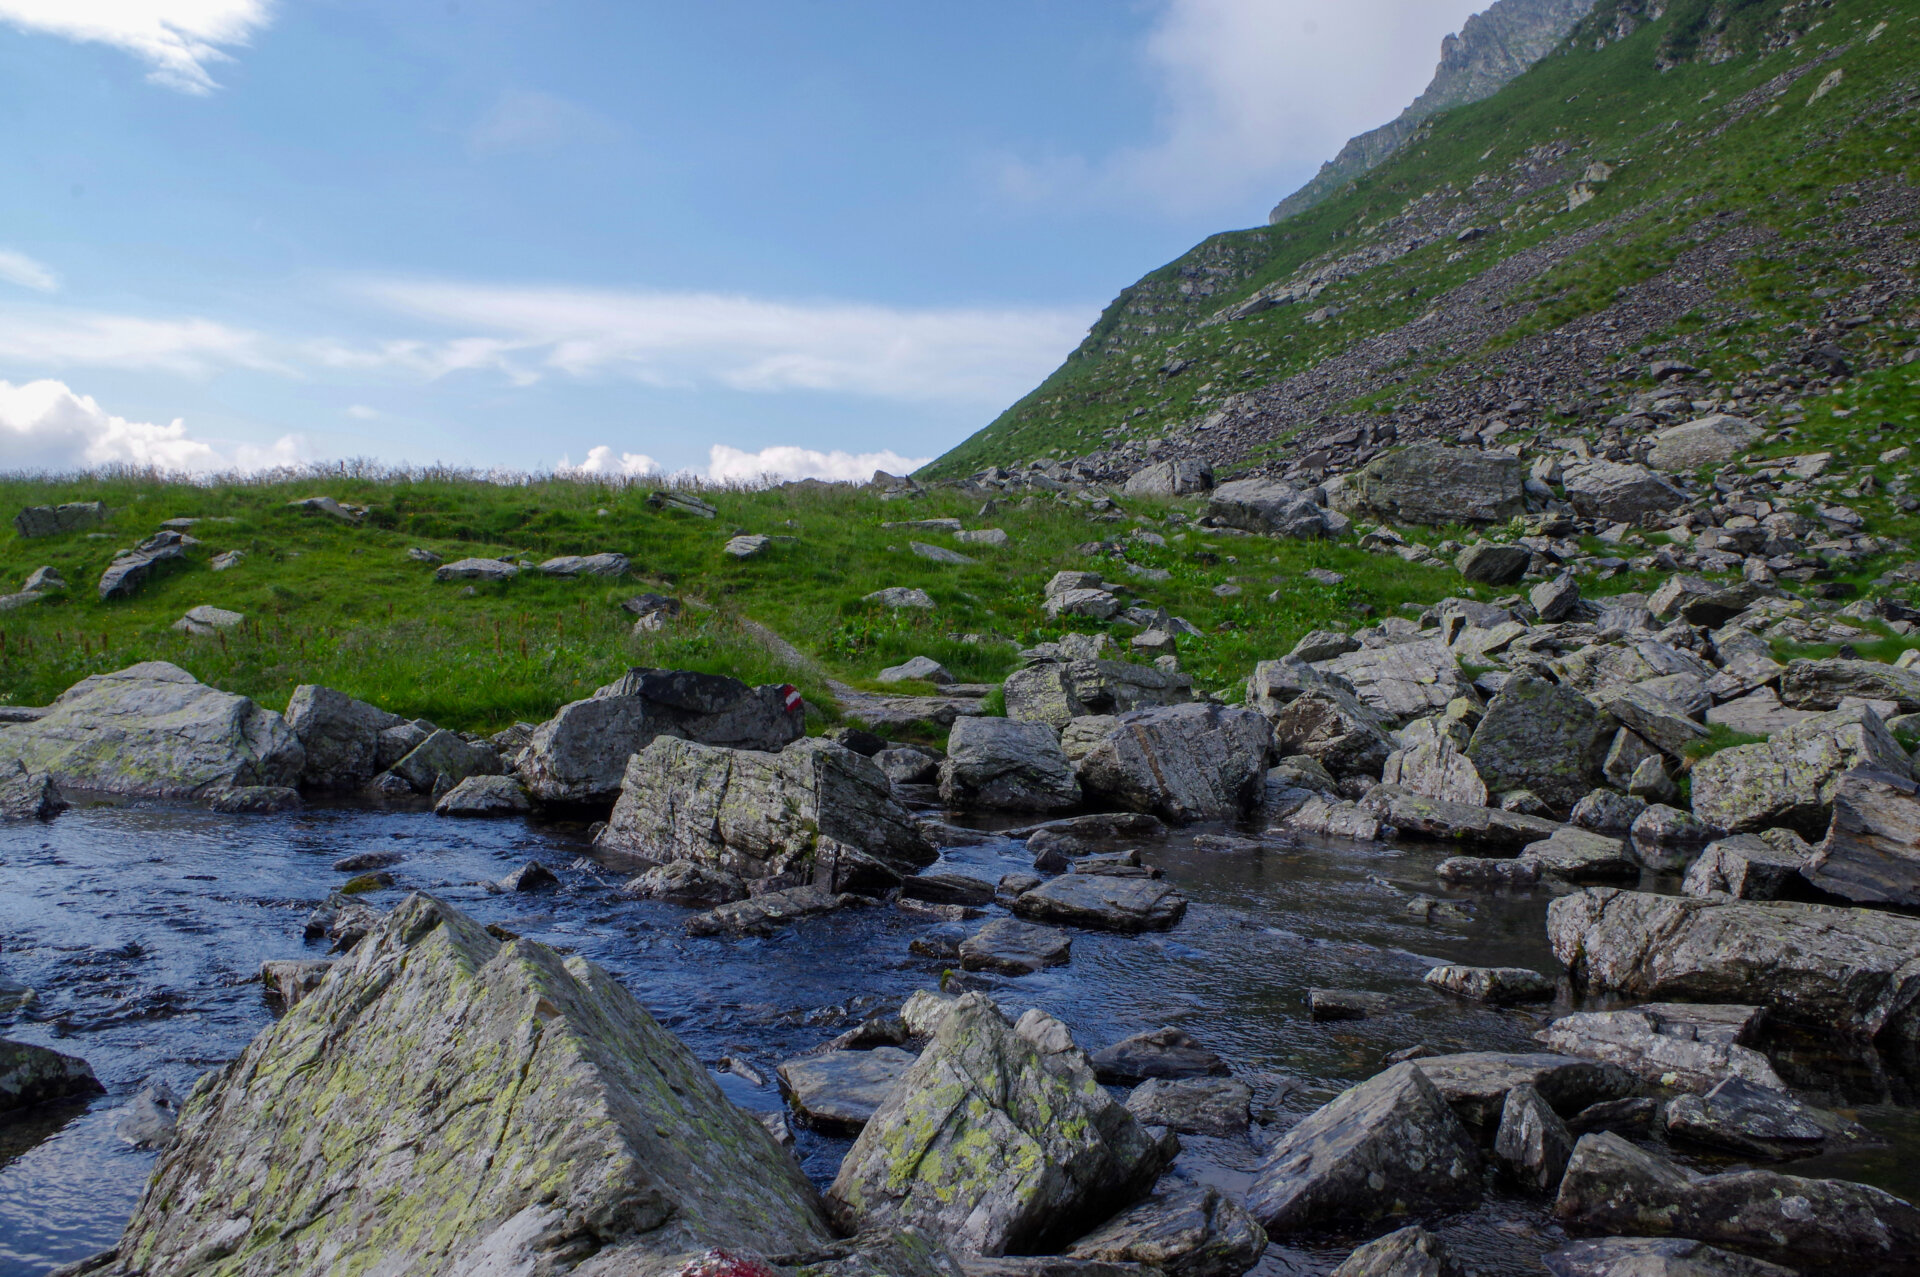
(1336, 730)
(922, 669)
(151, 730)
(1269, 506)
(1011, 947)
(1758, 713)
(1416, 816)
(1401, 680)
(1500, 985)
(686, 882)
(1790, 778)
(1320, 645)
(1682, 1046)
(1605, 812)
(1476, 1083)
(993, 1143)
(132, 569)
(476, 570)
(613, 1121)
(1747, 867)
(1653, 719)
(1655, 1257)
(1388, 1147)
(26, 795)
(908, 766)
(746, 547)
(1493, 564)
(1350, 1004)
(396, 742)
(1871, 854)
(252, 800)
(1176, 478)
(1543, 738)
(1738, 1116)
(895, 597)
(1059, 691)
(1432, 484)
(330, 507)
(1649, 782)
(982, 536)
(939, 554)
(1189, 1232)
(1219, 1106)
(1094, 604)
(419, 554)
(1620, 493)
(1555, 600)
(580, 754)
(1336, 818)
(1707, 441)
(1577, 855)
(479, 796)
(443, 760)
(46, 521)
(678, 502)
(764, 914)
(1273, 685)
(1001, 764)
(815, 813)
(207, 619)
(1408, 1252)
(839, 1091)
(1099, 902)
(607, 564)
(31, 1075)
(1158, 1053)
(287, 980)
(532, 876)
(1181, 762)
(149, 1119)
(1851, 971)
(341, 737)
(1820, 685)
(1831, 1225)
(1532, 1144)
(1480, 871)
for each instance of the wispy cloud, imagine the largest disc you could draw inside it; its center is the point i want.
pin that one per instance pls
(18, 268)
(59, 337)
(178, 39)
(528, 120)
(693, 340)
(1253, 95)
(46, 425)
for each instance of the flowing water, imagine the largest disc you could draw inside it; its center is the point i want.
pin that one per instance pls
(143, 926)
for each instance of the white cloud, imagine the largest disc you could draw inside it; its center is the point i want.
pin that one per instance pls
(176, 38)
(731, 465)
(694, 340)
(45, 425)
(360, 412)
(1254, 95)
(600, 462)
(55, 337)
(18, 268)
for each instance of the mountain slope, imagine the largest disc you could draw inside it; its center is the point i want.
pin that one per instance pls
(1491, 49)
(1728, 184)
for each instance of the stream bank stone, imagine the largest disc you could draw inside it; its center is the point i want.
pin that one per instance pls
(1790, 778)
(341, 737)
(31, 1075)
(1000, 764)
(1544, 738)
(1181, 762)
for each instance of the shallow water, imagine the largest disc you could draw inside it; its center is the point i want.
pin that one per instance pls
(142, 928)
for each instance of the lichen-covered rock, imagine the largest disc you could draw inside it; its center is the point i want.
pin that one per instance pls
(1655, 1257)
(816, 813)
(1620, 493)
(580, 754)
(154, 731)
(481, 796)
(1386, 1148)
(31, 1075)
(26, 795)
(1476, 1083)
(993, 1143)
(1827, 1225)
(446, 1102)
(1190, 1232)
(1274, 685)
(1682, 1046)
(1580, 855)
(443, 760)
(1532, 1143)
(1822, 685)
(341, 736)
(1003, 765)
(1408, 1252)
(1653, 718)
(1871, 854)
(1848, 970)
(1057, 692)
(1181, 762)
(1747, 867)
(1432, 484)
(1402, 680)
(1336, 730)
(1541, 737)
(1790, 778)
(1175, 478)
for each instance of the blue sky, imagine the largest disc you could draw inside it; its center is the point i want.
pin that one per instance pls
(794, 236)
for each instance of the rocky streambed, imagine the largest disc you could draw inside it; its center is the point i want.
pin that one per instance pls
(1299, 962)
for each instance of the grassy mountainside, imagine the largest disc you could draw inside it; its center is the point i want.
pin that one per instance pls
(1712, 183)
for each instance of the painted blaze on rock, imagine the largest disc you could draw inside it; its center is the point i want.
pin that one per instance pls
(445, 1102)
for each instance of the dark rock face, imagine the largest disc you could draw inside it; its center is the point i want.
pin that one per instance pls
(1192, 1232)
(1384, 1149)
(1543, 738)
(1532, 1143)
(1194, 1105)
(1656, 1257)
(1759, 1121)
(52, 520)
(1336, 730)
(31, 1075)
(1000, 764)
(26, 795)
(1161, 1053)
(1871, 854)
(1613, 1187)
(340, 734)
(1492, 564)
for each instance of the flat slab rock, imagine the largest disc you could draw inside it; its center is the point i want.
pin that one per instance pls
(1476, 1083)
(1160, 1053)
(1758, 1121)
(1104, 903)
(1011, 947)
(840, 1090)
(1195, 1105)
(1677, 1045)
(1655, 1257)
(1500, 985)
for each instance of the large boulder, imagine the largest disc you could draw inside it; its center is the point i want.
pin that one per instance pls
(1436, 769)
(1871, 854)
(998, 1140)
(341, 736)
(1334, 728)
(1853, 971)
(154, 731)
(1790, 778)
(1685, 1046)
(1000, 764)
(1272, 507)
(446, 1102)
(1175, 478)
(26, 795)
(1823, 1225)
(31, 1075)
(133, 568)
(1056, 692)
(580, 754)
(1620, 493)
(814, 814)
(1493, 564)
(1401, 680)
(1189, 1232)
(52, 520)
(1382, 1150)
(1708, 441)
(1542, 738)
(1103, 902)
(1825, 684)
(443, 760)
(1432, 484)
(1181, 762)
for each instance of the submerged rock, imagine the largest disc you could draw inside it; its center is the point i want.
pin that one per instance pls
(1011, 947)
(1409, 1252)
(1759, 1121)
(154, 731)
(994, 1143)
(1158, 1053)
(543, 1111)
(764, 914)
(840, 1090)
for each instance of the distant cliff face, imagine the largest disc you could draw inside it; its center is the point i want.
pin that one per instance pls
(1491, 49)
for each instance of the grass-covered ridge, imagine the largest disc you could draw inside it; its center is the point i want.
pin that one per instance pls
(1708, 112)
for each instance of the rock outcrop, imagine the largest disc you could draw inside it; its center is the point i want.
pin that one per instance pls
(341, 736)
(1432, 484)
(1790, 778)
(1001, 764)
(1181, 762)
